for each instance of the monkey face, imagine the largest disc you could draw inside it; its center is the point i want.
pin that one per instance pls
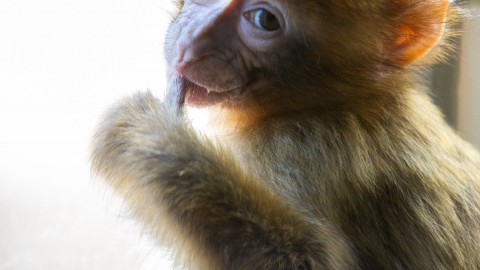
(281, 55)
(218, 48)
(274, 55)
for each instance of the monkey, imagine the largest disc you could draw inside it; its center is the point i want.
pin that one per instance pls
(322, 148)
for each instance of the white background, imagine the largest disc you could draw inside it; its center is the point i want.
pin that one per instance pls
(62, 63)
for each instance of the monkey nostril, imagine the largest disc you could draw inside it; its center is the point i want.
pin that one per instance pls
(185, 59)
(183, 65)
(180, 68)
(179, 62)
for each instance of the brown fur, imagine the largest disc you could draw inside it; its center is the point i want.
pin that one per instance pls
(342, 164)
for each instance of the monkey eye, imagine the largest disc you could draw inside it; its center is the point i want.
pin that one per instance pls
(263, 19)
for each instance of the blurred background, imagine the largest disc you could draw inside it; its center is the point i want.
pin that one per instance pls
(62, 63)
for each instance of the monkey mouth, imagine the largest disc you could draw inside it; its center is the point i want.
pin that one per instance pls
(199, 96)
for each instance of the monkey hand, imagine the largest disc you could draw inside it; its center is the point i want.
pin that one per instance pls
(148, 153)
(131, 133)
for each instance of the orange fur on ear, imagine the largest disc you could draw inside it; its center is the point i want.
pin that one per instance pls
(417, 34)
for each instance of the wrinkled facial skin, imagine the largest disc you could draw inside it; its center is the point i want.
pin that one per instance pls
(219, 49)
(275, 56)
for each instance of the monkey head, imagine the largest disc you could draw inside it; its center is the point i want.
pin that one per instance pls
(277, 54)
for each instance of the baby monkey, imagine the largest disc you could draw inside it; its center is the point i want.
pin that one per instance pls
(321, 149)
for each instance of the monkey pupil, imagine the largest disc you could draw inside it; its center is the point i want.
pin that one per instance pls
(268, 21)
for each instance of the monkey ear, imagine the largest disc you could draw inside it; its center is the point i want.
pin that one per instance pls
(419, 29)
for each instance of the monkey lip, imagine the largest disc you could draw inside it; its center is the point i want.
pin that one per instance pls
(198, 96)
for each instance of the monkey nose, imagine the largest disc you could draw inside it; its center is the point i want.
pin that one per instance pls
(180, 64)
(184, 61)
(180, 68)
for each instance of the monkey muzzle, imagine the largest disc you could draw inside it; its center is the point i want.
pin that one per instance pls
(210, 80)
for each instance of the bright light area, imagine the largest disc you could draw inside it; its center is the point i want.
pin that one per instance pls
(62, 63)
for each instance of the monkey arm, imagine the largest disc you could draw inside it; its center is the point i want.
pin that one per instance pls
(169, 173)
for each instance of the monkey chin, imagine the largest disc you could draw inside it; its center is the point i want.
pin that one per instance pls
(198, 96)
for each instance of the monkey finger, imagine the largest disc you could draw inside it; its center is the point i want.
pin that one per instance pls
(175, 96)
